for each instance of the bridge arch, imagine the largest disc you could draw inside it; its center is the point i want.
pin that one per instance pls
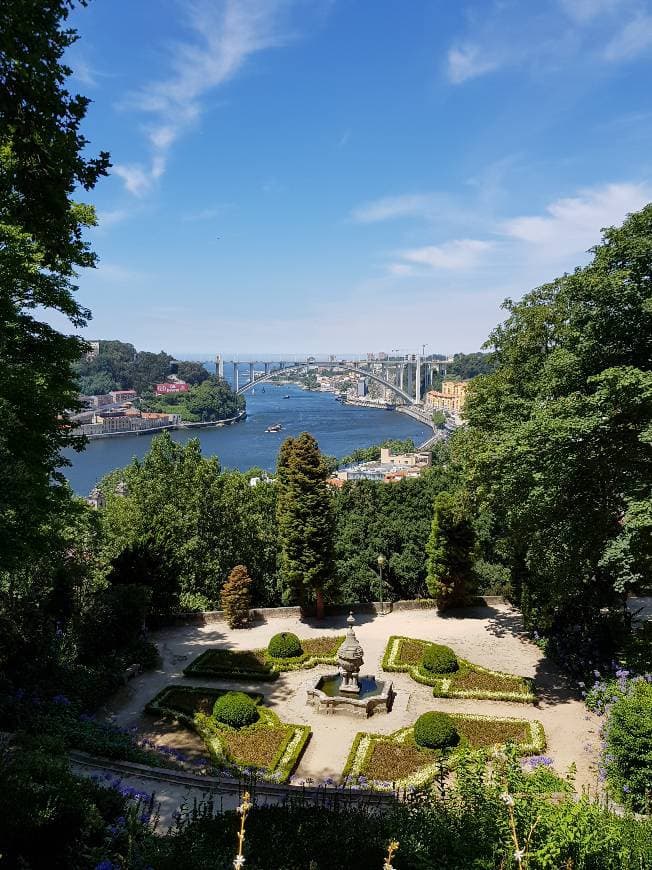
(331, 365)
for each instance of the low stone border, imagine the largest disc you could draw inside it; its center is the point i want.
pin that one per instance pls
(442, 683)
(262, 614)
(229, 784)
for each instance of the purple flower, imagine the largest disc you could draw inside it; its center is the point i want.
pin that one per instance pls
(626, 789)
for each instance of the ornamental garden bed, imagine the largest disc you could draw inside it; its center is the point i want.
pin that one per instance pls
(405, 654)
(388, 761)
(258, 665)
(269, 746)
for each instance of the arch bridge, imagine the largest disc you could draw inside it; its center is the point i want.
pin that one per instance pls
(396, 375)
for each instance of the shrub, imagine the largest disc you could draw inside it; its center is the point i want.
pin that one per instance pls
(439, 659)
(236, 597)
(435, 731)
(285, 646)
(236, 709)
(629, 746)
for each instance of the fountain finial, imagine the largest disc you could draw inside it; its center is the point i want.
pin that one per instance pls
(351, 620)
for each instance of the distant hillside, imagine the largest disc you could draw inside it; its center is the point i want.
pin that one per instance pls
(119, 366)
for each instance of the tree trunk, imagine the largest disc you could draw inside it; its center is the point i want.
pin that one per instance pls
(319, 608)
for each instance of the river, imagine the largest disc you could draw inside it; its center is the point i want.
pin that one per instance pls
(338, 428)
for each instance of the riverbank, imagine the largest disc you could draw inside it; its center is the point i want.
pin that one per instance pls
(169, 427)
(338, 428)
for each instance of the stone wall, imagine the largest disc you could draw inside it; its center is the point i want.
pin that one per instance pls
(262, 614)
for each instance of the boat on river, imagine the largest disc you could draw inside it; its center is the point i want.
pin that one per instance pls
(276, 427)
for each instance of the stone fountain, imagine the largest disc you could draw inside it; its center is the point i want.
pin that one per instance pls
(346, 689)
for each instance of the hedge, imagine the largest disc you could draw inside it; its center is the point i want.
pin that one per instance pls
(435, 762)
(258, 665)
(448, 685)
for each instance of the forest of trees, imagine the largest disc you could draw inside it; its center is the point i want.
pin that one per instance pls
(119, 366)
(545, 494)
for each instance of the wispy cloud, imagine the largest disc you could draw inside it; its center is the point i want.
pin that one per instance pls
(390, 207)
(571, 225)
(587, 10)
(634, 38)
(527, 248)
(206, 214)
(548, 36)
(469, 61)
(459, 254)
(225, 35)
(111, 217)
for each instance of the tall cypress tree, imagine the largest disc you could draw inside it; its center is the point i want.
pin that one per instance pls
(305, 520)
(450, 553)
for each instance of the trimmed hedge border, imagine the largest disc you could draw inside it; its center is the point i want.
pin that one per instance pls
(443, 685)
(270, 667)
(364, 742)
(158, 707)
(287, 755)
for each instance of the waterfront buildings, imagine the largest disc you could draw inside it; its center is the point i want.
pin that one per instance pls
(391, 468)
(450, 398)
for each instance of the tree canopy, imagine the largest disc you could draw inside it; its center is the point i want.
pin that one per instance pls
(558, 442)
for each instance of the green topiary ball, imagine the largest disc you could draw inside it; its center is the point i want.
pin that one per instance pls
(435, 731)
(439, 659)
(236, 709)
(285, 646)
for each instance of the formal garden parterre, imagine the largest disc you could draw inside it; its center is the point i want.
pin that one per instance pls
(455, 677)
(261, 742)
(260, 664)
(389, 761)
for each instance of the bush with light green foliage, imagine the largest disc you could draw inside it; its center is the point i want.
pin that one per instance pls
(285, 646)
(435, 730)
(439, 659)
(629, 746)
(236, 710)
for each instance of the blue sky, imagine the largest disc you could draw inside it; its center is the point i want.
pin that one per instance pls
(380, 174)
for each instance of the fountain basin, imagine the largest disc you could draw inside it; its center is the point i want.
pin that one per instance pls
(327, 693)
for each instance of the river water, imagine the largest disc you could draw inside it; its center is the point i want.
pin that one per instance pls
(338, 428)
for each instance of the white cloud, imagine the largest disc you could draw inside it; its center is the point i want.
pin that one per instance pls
(548, 36)
(206, 214)
(225, 36)
(634, 39)
(583, 11)
(572, 225)
(459, 254)
(390, 207)
(107, 219)
(468, 62)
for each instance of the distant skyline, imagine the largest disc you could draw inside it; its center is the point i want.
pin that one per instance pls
(305, 175)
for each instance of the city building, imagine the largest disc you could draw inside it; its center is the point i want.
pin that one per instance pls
(122, 395)
(405, 460)
(450, 398)
(391, 468)
(361, 388)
